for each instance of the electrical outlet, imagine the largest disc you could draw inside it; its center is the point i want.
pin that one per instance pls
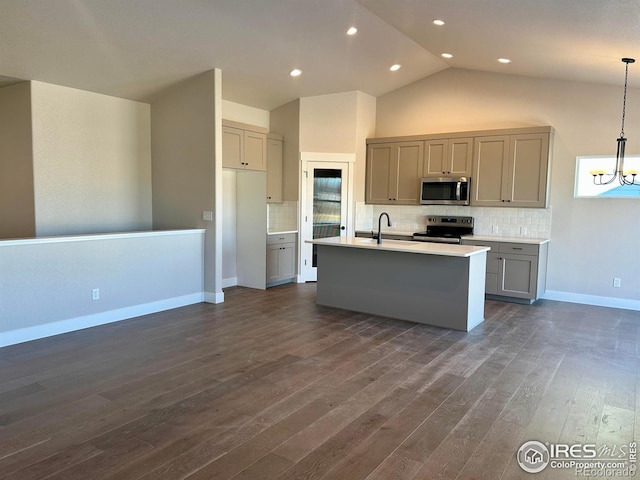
(96, 294)
(495, 229)
(523, 231)
(207, 216)
(616, 282)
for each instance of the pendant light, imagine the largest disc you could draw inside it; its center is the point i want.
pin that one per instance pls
(619, 173)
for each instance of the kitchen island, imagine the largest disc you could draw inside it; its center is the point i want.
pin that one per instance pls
(435, 284)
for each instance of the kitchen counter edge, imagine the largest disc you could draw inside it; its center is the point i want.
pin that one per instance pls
(491, 238)
(424, 248)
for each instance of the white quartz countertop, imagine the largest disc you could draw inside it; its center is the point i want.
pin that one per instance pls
(491, 238)
(425, 248)
(274, 232)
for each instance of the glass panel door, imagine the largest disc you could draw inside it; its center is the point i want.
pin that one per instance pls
(324, 209)
(327, 205)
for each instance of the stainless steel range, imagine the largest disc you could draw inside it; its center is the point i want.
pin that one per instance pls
(445, 229)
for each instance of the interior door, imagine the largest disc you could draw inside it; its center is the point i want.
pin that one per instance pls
(325, 209)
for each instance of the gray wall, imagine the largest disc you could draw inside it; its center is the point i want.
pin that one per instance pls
(91, 162)
(183, 145)
(46, 284)
(17, 214)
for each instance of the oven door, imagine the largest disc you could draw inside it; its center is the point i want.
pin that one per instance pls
(444, 191)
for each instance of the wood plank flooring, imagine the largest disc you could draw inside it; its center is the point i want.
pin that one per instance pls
(270, 386)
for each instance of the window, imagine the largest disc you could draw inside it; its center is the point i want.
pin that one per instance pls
(586, 166)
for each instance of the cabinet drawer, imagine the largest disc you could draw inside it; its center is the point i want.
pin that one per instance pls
(275, 239)
(519, 248)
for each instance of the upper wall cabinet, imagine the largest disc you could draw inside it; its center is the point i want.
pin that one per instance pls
(449, 156)
(393, 170)
(511, 170)
(508, 168)
(274, 168)
(243, 146)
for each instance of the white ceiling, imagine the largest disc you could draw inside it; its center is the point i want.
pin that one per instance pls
(135, 48)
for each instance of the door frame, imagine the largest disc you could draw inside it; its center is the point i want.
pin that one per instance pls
(309, 160)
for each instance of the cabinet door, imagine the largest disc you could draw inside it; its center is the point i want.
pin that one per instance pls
(491, 278)
(379, 166)
(517, 275)
(273, 263)
(274, 170)
(435, 158)
(459, 156)
(255, 150)
(527, 175)
(232, 147)
(287, 261)
(490, 167)
(448, 157)
(409, 165)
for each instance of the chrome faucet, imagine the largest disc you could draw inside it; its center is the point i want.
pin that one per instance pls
(380, 227)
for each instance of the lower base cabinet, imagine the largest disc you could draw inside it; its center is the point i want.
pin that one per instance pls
(514, 270)
(281, 259)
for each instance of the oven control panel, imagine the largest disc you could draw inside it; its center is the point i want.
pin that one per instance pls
(444, 220)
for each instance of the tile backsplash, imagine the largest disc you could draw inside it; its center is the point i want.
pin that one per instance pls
(282, 217)
(497, 221)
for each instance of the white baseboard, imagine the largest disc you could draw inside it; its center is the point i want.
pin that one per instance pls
(214, 297)
(229, 282)
(592, 300)
(79, 323)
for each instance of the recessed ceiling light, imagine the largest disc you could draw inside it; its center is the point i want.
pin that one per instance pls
(446, 55)
(438, 22)
(394, 68)
(352, 31)
(504, 60)
(295, 72)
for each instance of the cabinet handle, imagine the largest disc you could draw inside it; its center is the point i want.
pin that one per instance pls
(517, 248)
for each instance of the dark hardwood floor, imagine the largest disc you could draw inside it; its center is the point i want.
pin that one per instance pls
(268, 385)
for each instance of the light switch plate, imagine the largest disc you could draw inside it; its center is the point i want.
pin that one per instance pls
(207, 216)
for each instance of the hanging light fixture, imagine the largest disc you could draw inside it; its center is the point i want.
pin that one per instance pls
(619, 172)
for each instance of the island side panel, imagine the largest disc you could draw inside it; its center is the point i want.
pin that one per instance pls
(429, 289)
(477, 277)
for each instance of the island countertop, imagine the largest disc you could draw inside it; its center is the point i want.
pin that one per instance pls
(425, 248)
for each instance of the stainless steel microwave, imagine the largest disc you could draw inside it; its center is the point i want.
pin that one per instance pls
(445, 191)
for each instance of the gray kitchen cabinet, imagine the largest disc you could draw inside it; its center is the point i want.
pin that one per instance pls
(274, 168)
(507, 167)
(449, 156)
(281, 258)
(515, 270)
(393, 173)
(244, 147)
(510, 170)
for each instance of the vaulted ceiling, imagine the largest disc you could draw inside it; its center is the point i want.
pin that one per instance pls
(135, 48)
